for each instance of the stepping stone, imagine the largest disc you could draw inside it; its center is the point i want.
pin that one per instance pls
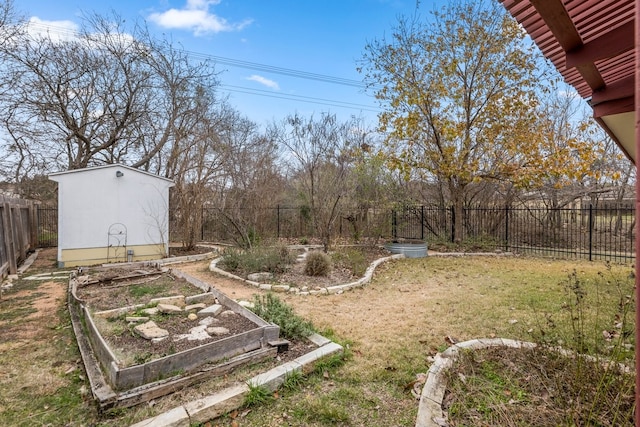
(212, 310)
(208, 321)
(169, 308)
(136, 319)
(217, 330)
(150, 311)
(175, 300)
(260, 277)
(198, 306)
(151, 331)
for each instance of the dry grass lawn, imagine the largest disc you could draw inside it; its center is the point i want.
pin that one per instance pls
(391, 328)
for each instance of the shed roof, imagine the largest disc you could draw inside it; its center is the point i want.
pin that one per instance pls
(52, 176)
(592, 44)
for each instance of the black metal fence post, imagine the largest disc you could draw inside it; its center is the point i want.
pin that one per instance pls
(453, 224)
(422, 222)
(506, 228)
(394, 225)
(590, 232)
(202, 210)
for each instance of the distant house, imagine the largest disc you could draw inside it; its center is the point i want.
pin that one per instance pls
(111, 213)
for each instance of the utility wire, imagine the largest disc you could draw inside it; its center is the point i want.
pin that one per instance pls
(234, 62)
(301, 98)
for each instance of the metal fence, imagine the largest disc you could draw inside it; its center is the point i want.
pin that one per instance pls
(47, 222)
(591, 232)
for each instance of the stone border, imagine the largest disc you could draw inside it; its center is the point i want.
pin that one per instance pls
(338, 289)
(226, 400)
(430, 412)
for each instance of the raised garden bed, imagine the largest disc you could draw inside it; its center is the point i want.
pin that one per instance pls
(124, 368)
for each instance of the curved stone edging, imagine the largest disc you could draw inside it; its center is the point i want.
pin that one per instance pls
(430, 412)
(338, 289)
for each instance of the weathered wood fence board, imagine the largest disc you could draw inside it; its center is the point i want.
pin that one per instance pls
(18, 232)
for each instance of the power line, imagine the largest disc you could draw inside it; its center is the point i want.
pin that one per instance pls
(237, 62)
(301, 98)
(259, 67)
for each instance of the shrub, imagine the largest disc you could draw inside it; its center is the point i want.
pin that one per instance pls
(352, 259)
(272, 259)
(317, 264)
(270, 308)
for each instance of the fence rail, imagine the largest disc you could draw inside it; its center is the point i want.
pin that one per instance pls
(591, 232)
(18, 233)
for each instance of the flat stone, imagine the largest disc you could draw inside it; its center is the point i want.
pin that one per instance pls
(280, 288)
(136, 319)
(260, 277)
(228, 313)
(150, 311)
(169, 308)
(199, 333)
(212, 310)
(177, 417)
(208, 321)
(198, 306)
(217, 404)
(217, 330)
(174, 300)
(150, 330)
(246, 304)
(206, 298)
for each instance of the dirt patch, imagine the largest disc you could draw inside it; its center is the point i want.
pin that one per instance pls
(54, 294)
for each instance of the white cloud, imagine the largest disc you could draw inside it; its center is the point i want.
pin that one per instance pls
(55, 30)
(195, 16)
(264, 81)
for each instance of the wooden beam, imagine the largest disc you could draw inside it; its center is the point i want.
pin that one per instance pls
(621, 89)
(607, 45)
(555, 15)
(557, 18)
(617, 106)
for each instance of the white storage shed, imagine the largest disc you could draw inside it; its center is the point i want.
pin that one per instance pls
(111, 213)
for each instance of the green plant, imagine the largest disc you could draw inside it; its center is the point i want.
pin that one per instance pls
(142, 290)
(352, 259)
(323, 409)
(258, 395)
(293, 381)
(272, 259)
(317, 264)
(270, 308)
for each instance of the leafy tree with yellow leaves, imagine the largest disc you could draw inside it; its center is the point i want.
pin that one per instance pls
(459, 93)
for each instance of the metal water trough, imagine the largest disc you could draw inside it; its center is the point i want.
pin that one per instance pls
(408, 249)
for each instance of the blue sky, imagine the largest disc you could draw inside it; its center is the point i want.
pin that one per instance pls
(323, 37)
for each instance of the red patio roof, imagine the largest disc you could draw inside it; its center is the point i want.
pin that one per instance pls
(591, 43)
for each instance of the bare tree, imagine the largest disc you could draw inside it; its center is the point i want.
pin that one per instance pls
(319, 155)
(253, 185)
(105, 95)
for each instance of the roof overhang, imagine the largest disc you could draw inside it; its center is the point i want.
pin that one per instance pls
(592, 44)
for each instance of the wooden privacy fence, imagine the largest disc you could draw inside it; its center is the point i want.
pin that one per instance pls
(18, 232)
